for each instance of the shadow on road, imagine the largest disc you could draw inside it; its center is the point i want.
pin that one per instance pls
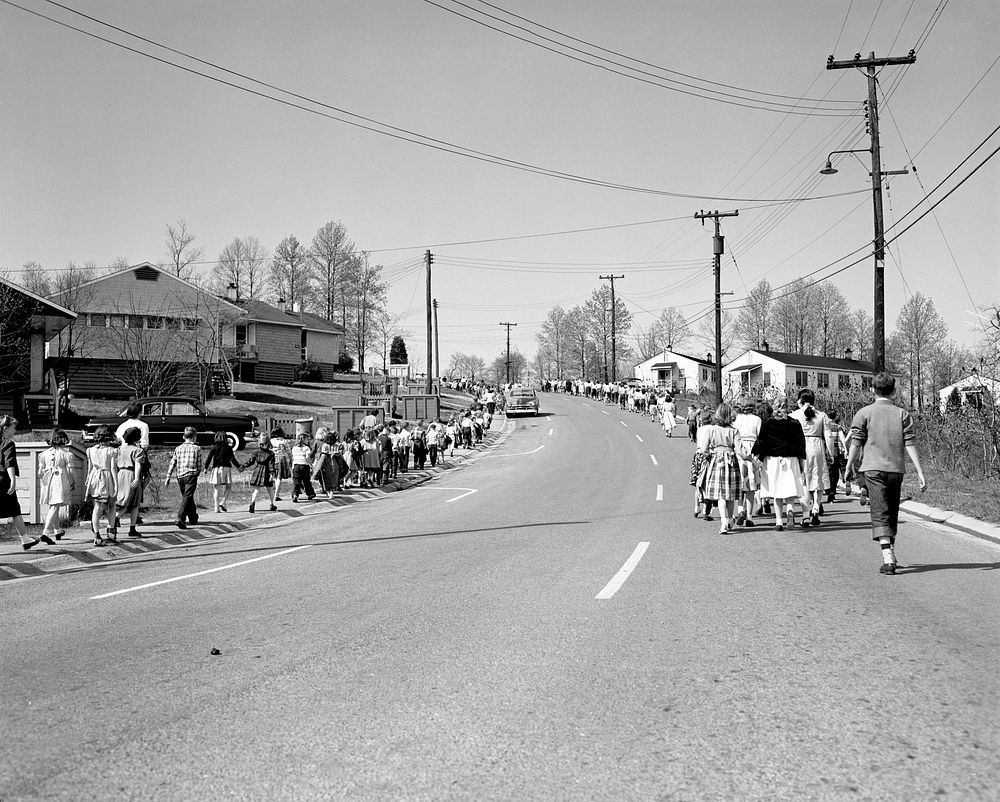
(919, 569)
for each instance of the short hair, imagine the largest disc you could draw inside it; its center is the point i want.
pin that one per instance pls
(263, 441)
(833, 415)
(104, 434)
(724, 414)
(883, 384)
(303, 438)
(132, 435)
(807, 395)
(277, 431)
(7, 420)
(133, 410)
(780, 405)
(220, 438)
(705, 416)
(58, 438)
(190, 432)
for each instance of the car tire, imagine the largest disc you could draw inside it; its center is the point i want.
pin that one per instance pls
(235, 441)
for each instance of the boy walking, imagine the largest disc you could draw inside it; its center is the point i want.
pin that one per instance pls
(186, 463)
(886, 434)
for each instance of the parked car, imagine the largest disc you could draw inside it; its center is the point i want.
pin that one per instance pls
(167, 417)
(521, 401)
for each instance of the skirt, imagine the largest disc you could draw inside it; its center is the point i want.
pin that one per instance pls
(10, 507)
(783, 479)
(669, 421)
(283, 470)
(816, 475)
(696, 462)
(128, 497)
(220, 476)
(100, 485)
(720, 478)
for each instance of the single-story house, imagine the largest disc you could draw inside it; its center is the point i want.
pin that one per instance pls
(760, 371)
(27, 322)
(677, 372)
(972, 390)
(268, 343)
(139, 331)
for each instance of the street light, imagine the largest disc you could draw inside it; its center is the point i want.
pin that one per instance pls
(876, 173)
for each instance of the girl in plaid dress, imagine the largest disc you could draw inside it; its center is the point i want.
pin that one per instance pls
(702, 420)
(720, 476)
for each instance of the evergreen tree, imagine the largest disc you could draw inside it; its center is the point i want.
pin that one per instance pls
(397, 352)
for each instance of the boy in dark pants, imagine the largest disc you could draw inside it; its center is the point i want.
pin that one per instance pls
(186, 463)
(886, 434)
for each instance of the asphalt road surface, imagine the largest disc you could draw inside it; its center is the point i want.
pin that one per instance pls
(548, 623)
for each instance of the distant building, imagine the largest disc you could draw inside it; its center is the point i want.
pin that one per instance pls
(765, 372)
(677, 372)
(973, 391)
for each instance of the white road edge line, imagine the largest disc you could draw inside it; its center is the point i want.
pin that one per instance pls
(200, 573)
(623, 423)
(626, 570)
(586, 404)
(659, 492)
(520, 454)
(468, 491)
(605, 412)
(654, 459)
(639, 439)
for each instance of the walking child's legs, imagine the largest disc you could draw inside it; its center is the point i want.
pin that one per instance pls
(51, 519)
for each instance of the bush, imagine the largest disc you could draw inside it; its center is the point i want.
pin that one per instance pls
(308, 371)
(346, 363)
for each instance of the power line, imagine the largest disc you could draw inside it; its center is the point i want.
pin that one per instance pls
(369, 124)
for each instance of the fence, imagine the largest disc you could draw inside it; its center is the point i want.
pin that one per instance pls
(419, 407)
(29, 490)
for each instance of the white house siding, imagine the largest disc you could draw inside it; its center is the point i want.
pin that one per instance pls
(686, 373)
(778, 376)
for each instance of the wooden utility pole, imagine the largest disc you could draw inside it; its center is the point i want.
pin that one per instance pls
(718, 248)
(614, 328)
(429, 383)
(437, 346)
(869, 64)
(508, 325)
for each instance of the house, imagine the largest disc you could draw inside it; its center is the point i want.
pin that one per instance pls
(27, 322)
(268, 343)
(765, 372)
(139, 331)
(677, 372)
(972, 391)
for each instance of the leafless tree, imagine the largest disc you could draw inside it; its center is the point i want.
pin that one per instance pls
(243, 262)
(71, 288)
(291, 277)
(181, 252)
(369, 298)
(35, 278)
(330, 253)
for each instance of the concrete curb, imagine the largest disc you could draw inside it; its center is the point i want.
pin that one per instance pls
(69, 557)
(954, 520)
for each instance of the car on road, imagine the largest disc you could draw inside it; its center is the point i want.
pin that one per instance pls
(521, 401)
(167, 417)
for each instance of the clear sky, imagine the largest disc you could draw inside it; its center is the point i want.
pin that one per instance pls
(101, 147)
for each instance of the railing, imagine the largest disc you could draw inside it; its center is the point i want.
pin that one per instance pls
(242, 351)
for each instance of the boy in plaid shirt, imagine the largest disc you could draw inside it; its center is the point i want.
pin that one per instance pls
(186, 463)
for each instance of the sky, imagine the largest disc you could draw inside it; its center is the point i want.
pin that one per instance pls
(103, 147)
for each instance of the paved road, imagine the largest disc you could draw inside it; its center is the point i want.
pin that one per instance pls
(442, 644)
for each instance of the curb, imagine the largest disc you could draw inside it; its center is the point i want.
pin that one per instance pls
(953, 520)
(45, 564)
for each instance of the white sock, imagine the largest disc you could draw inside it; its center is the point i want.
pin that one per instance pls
(888, 556)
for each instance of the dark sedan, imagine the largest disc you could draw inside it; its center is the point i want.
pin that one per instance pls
(167, 417)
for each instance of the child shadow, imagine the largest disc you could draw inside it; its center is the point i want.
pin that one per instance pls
(919, 569)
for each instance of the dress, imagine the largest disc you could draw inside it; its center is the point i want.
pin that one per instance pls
(220, 463)
(782, 446)
(131, 459)
(668, 416)
(749, 428)
(10, 507)
(282, 458)
(720, 476)
(325, 469)
(816, 474)
(263, 468)
(55, 468)
(101, 484)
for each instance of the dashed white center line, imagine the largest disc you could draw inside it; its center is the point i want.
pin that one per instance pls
(659, 492)
(586, 404)
(605, 412)
(639, 439)
(619, 579)
(654, 459)
(623, 423)
(200, 573)
(550, 432)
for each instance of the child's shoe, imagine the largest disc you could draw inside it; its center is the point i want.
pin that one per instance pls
(252, 507)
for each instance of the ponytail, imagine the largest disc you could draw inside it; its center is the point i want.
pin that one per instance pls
(809, 412)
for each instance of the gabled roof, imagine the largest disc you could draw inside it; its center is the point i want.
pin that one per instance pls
(663, 361)
(808, 361)
(316, 323)
(263, 312)
(51, 306)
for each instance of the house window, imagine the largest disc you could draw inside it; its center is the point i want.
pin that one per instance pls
(704, 375)
(866, 382)
(844, 381)
(767, 378)
(745, 380)
(154, 322)
(116, 321)
(191, 323)
(241, 334)
(802, 378)
(823, 380)
(174, 323)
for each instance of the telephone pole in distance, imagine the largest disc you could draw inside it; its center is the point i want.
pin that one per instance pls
(429, 383)
(869, 64)
(437, 346)
(508, 325)
(718, 248)
(614, 328)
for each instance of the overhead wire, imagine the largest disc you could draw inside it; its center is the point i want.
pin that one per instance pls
(360, 121)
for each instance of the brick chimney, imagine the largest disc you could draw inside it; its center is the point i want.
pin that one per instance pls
(848, 353)
(296, 307)
(232, 294)
(281, 304)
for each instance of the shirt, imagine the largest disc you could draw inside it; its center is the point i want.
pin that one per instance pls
(186, 460)
(301, 455)
(135, 423)
(885, 431)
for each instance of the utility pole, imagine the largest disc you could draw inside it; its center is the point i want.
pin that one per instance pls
(508, 325)
(429, 383)
(437, 346)
(718, 248)
(870, 64)
(614, 328)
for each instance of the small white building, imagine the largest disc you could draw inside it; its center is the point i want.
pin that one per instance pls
(765, 372)
(677, 373)
(972, 391)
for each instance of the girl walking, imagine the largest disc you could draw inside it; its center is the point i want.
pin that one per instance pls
(132, 461)
(668, 414)
(720, 480)
(102, 485)
(282, 459)
(698, 463)
(219, 466)
(815, 425)
(263, 472)
(782, 447)
(324, 469)
(10, 507)
(55, 469)
(748, 425)
(301, 468)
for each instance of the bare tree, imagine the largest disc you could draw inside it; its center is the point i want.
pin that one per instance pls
(385, 328)
(290, 275)
(71, 288)
(706, 334)
(15, 340)
(181, 251)
(243, 262)
(674, 330)
(862, 333)
(919, 331)
(331, 249)
(36, 279)
(368, 301)
(753, 323)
